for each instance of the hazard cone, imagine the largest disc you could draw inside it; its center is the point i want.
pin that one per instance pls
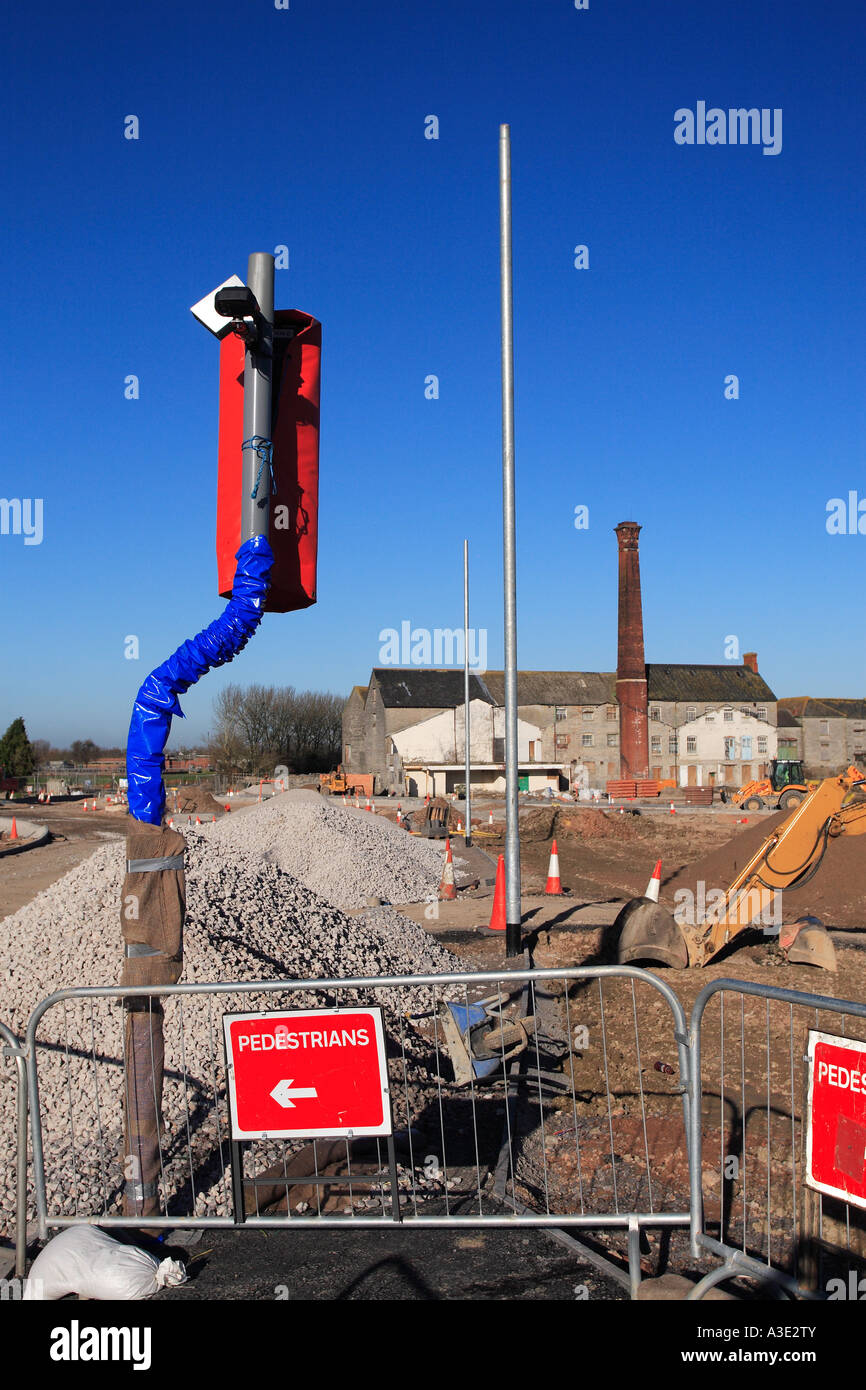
(652, 888)
(459, 827)
(213, 820)
(673, 809)
(13, 833)
(490, 819)
(447, 888)
(497, 916)
(554, 882)
(198, 820)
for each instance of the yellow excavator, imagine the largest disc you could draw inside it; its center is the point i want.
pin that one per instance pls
(786, 860)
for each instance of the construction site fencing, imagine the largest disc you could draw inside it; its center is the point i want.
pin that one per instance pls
(750, 1204)
(556, 1135)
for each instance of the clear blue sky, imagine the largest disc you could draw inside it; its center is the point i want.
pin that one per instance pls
(704, 261)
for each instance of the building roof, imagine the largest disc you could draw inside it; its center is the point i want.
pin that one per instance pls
(811, 707)
(708, 684)
(556, 687)
(424, 687)
(785, 719)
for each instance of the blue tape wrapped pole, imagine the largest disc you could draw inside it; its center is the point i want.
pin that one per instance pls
(156, 702)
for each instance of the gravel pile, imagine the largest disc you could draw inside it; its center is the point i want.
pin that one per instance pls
(247, 919)
(344, 855)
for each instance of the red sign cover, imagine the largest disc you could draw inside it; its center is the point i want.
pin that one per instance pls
(308, 1073)
(836, 1117)
(294, 507)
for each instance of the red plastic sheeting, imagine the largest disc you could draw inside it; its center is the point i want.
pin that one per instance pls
(294, 507)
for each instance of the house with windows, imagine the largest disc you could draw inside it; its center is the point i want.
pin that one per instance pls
(726, 746)
(832, 733)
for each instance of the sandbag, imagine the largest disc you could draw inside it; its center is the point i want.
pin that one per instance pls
(87, 1261)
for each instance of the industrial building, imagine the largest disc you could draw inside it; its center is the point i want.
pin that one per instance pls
(694, 725)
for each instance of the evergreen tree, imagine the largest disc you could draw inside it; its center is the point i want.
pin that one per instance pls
(16, 754)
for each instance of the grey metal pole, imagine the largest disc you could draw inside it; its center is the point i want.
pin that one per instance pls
(258, 359)
(466, 688)
(512, 841)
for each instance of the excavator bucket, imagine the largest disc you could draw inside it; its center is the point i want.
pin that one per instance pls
(648, 931)
(807, 943)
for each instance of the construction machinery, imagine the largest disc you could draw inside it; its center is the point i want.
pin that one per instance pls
(787, 859)
(784, 789)
(341, 783)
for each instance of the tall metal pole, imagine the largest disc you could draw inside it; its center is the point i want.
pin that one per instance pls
(512, 841)
(258, 361)
(466, 688)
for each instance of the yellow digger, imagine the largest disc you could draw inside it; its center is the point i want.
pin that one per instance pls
(787, 859)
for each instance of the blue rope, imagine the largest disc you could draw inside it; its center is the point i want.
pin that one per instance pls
(265, 450)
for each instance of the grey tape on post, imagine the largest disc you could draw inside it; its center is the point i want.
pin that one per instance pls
(137, 948)
(152, 866)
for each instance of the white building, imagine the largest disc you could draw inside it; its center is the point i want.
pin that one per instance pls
(428, 758)
(725, 747)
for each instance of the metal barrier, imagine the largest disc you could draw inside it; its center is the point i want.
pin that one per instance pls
(568, 1143)
(747, 1179)
(12, 1048)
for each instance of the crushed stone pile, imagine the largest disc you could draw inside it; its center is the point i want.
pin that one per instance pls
(344, 855)
(247, 919)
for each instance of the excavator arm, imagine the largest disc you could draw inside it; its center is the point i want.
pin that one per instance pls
(786, 860)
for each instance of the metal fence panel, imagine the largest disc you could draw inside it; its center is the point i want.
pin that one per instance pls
(750, 1204)
(562, 1135)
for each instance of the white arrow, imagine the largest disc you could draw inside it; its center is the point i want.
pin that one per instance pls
(283, 1092)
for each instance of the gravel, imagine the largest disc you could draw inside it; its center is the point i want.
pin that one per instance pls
(248, 918)
(344, 855)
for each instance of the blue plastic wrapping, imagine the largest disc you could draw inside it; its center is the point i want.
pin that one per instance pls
(156, 702)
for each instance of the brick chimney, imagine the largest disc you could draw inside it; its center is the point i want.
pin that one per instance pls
(631, 687)
(750, 659)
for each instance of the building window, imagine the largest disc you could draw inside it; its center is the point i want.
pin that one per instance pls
(562, 740)
(824, 727)
(589, 714)
(499, 750)
(612, 740)
(672, 744)
(710, 714)
(611, 714)
(691, 713)
(762, 744)
(656, 743)
(560, 712)
(730, 747)
(745, 711)
(761, 711)
(587, 740)
(348, 753)
(691, 745)
(729, 716)
(654, 714)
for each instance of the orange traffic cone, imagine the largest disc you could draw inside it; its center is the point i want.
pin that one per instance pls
(447, 888)
(497, 916)
(13, 833)
(490, 819)
(213, 820)
(198, 820)
(652, 888)
(459, 827)
(554, 882)
(399, 813)
(673, 809)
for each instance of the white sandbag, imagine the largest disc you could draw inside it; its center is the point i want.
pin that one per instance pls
(88, 1261)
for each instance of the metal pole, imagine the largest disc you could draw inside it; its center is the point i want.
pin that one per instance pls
(466, 687)
(258, 359)
(512, 842)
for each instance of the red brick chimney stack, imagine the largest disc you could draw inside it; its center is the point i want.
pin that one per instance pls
(631, 687)
(750, 659)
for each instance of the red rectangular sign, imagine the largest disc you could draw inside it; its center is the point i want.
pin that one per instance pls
(307, 1074)
(836, 1117)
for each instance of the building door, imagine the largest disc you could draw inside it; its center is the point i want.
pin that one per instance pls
(693, 775)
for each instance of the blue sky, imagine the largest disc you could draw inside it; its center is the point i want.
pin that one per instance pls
(305, 127)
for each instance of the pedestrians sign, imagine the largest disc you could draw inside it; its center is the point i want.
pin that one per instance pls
(307, 1074)
(836, 1117)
